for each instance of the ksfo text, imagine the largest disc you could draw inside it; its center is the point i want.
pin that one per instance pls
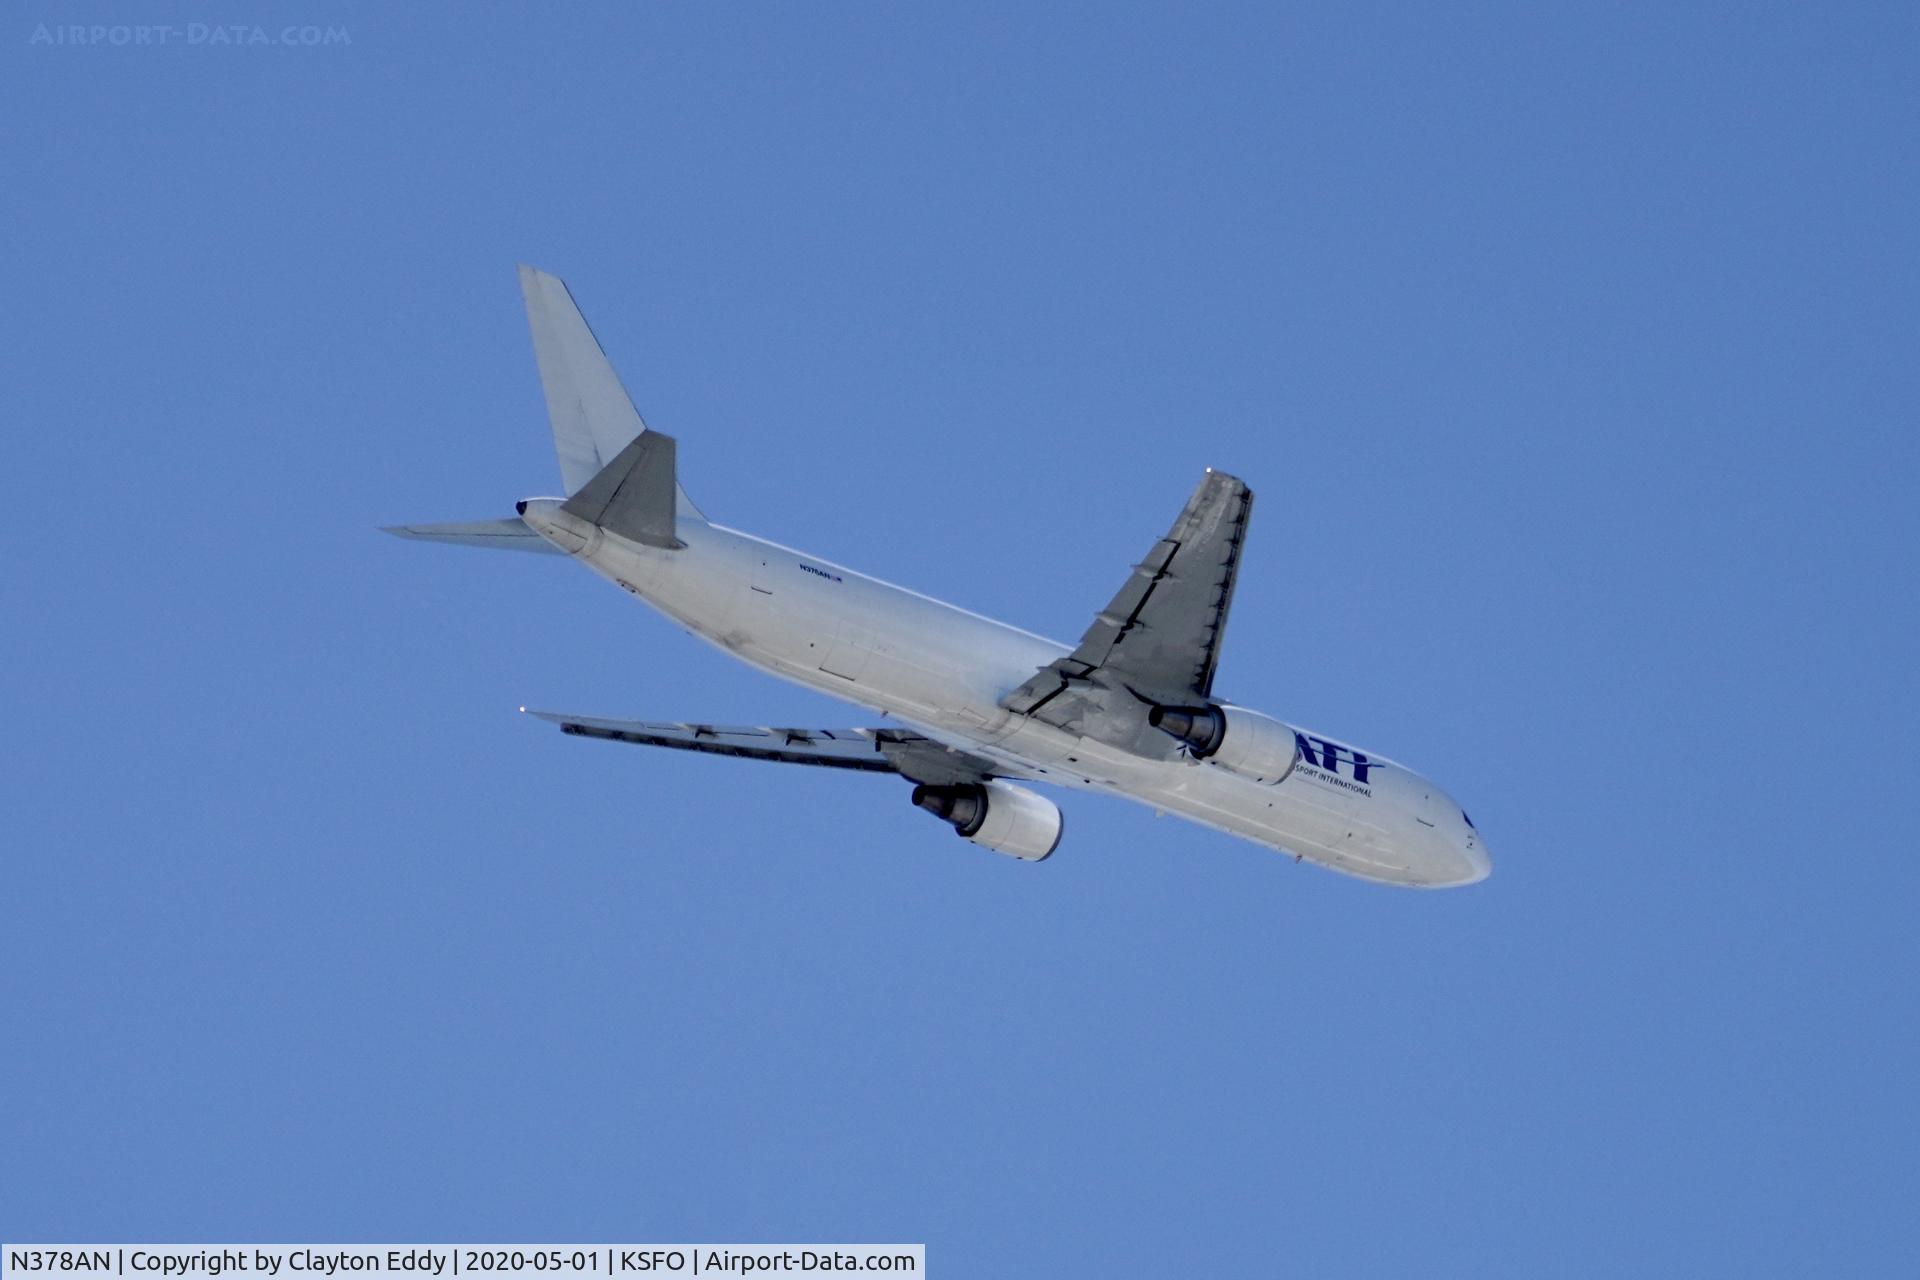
(739, 1263)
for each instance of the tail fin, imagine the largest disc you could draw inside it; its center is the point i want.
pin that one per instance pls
(593, 418)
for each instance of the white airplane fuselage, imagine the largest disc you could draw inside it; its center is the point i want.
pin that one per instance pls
(944, 671)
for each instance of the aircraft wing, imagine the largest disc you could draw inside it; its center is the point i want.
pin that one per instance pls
(1158, 640)
(912, 755)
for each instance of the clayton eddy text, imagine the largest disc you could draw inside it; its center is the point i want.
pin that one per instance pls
(212, 1262)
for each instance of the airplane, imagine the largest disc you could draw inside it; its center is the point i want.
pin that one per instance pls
(981, 711)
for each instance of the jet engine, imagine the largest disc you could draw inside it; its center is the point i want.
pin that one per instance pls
(1004, 818)
(1255, 746)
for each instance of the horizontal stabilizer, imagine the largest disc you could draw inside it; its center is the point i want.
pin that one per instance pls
(633, 495)
(900, 751)
(510, 534)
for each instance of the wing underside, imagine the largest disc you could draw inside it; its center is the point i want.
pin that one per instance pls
(900, 751)
(1158, 639)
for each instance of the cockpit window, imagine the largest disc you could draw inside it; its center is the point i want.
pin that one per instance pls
(1467, 820)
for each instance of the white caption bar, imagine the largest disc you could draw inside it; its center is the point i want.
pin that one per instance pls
(437, 1261)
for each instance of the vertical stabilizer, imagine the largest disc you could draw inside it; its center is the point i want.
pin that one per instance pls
(593, 418)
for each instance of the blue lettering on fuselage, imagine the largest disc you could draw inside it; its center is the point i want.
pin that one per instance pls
(820, 573)
(1322, 754)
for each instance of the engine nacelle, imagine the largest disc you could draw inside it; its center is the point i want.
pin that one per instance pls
(1252, 745)
(1004, 818)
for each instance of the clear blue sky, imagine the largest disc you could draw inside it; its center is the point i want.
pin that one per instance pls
(1572, 357)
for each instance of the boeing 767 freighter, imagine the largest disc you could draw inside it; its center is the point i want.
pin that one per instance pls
(984, 710)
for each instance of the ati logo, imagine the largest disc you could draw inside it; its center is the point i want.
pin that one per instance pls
(1322, 754)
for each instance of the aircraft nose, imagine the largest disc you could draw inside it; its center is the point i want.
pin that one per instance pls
(1476, 865)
